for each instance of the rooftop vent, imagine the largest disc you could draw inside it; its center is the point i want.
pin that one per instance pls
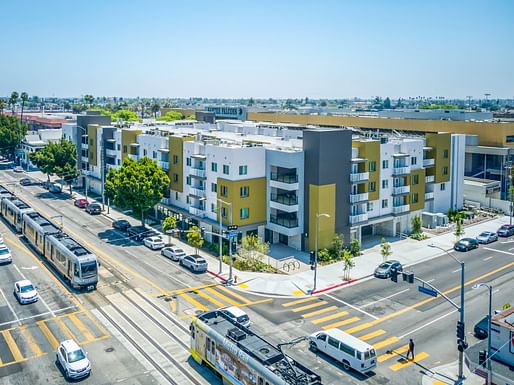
(236, 334)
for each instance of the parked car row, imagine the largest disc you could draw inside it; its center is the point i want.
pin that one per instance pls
(485, 237)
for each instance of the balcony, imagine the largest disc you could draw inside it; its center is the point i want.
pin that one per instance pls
(354, 198)
(198, 172)
(284, 178)
(429, 179)
(197, 211)
(399, 190)
(428, 162)
(284, 199)
(284, 222)
(358, 218)
(133, 156)
(111, 152)
(359, 177)
(403, 170)
(163, 165)
(197, 192)
(429, 196)
(401, 209)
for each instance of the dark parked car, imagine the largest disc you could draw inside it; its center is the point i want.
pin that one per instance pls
(480, 329)
(505, 231)
(466, 244)
(26, 181)
(138, 233)
(46, 185)
(487, 237)
(94, 209)
(121, 224)
(55, 188)
(384, 269)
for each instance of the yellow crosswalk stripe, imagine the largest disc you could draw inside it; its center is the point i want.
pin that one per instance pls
(310, 306)
(62, 326)
(223, 297)
(12, 346)
(358, 328)
(188, 289)
(318, 312)
(210, 299)
(82, 328)
(404, 363)
(194, 302)
(341, 323)
(437, 382)
(298, 301)
(233, 294)
(371, 335)
(329, 317)
(48, 334)
(31, 342)
(394, 353)
(389, 341)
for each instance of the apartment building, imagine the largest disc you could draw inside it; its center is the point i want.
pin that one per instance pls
(276, 180)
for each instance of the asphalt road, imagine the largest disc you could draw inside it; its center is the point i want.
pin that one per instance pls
(139, 290)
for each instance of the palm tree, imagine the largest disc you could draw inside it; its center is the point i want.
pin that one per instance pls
(155, 109)
(89, 99)
(24, 97)
(2, 106)
(13, 100)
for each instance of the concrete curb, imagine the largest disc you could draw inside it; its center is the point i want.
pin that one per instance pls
(337, 285)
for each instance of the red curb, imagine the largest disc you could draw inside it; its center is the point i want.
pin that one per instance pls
(218, 276)
(334, 286)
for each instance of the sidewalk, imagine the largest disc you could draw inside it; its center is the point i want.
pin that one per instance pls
(447, 374)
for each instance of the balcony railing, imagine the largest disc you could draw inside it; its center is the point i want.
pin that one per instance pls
(199, 212)
(199, 192)
(284, 178)
(401, 209)
(285, 199)
(284, 222)
(429, 179)
(133, 156)
(428, 162)
(110, 152)
(358, 218)
(429, 196)
(163, 165)
(403, 170)
(397, 190)
(199, 172)
(354, 198)
(359, 176)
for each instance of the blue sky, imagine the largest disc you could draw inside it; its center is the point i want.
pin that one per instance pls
(260, 48)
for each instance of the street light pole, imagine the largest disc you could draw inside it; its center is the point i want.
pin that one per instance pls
(221, 202)
(508, 167)
(316, 248)
(230, 251)
(489, 368)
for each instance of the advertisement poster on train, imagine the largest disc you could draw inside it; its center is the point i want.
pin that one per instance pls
(234, 367)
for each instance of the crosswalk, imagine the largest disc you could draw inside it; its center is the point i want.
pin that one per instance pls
(27, 342)
(326, 315)
(207, 297)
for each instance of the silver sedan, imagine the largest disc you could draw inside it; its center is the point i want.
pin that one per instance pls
(487, 237)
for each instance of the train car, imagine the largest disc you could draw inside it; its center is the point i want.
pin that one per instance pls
(36, 228)
(241, 357)
(12, 209)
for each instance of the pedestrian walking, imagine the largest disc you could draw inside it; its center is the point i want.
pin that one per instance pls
(410, 352)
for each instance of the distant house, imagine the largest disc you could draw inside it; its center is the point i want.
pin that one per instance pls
(35, 141)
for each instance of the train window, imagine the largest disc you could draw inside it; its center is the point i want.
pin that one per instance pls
(75, 270)
(261, 381)
(213, 348)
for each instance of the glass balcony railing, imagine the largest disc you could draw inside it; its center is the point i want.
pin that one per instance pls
(284, 178)
(284, 222)
(284, 199)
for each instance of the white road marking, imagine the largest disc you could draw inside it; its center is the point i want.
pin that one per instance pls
(11, 309)
(498, 251)
(427, 324)
(353, 307)
(29, 268)
(496, 291)
(39, 295)
(456, 271)
(39, 315)
(382, 299)
(488, 258)
(431, 280)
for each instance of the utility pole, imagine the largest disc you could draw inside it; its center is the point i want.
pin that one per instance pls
(508, 167)
(229, 281)
(469, 101)
(102, 167)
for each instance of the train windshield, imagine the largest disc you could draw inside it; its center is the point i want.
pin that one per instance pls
(88, 269)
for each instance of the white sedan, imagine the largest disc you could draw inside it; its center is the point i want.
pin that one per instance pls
(154, 243)
(25, 292)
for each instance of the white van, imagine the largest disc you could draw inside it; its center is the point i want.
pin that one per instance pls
(345, 348)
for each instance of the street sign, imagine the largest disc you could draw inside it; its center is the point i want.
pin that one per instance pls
(232, 227)
(233, 234)
(427, 291)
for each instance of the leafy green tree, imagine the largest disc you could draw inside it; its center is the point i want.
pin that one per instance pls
(252, 245)
(12, 131)
(13, 100)
(190, 117)
(194, 238)
(171, 116)
(125, 115)
(24, 97)
(136, 185)
(155, 109)
(169, 224)
(355, 247)
(348, 263)
(337, 246)
(459, 229)
(89, 99)
(2, 106)
(385, 249)
(324, 256)
(387, 103)
(416, 225)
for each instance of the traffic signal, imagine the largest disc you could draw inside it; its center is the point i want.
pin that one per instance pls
(312, 257)
(408, 276)
(460, 330)
(202, 231)
(462, 345)
(482, 357)
(394, 275)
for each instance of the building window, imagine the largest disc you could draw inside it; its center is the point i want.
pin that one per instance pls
(244, 191)
(144, 151)
(188, 161)
(372, 186)
(442, 187)
(224, 191)
(385, 203)
(118, 146)
(90, 142)
(213, 208)
(176, 195)
(445, 154)
(385, 183)
(414, 179)
(175, 178)
(414, 198)
(154, 154)
(413, 161)
(243, 170)
(118, 161)
(188, 201)
(226, 169)
(244, 213)
(445, 170)
(224, 212)
(370, 206)
(385, 164)
(214, 167)
(372, 166)
(214, 187)
(175, 159)
(124, 149)
(188, 180)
